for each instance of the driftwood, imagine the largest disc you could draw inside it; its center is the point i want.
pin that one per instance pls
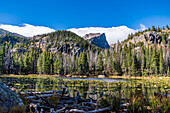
(100, 110)
(60, 110)
(40, 96)
(90, 104)
(76, 111)
(65, 104)
(44, 92)
(161, 94)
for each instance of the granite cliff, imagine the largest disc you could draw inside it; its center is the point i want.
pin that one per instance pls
(97, 39)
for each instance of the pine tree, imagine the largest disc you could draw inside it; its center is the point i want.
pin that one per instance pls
(1, 61)
(26, 63)
(134, 65)
(106, 59)
(110, 64)
(143, 60)
(147, 57)
(2, 56)
(100, 66)
(154, 61)
(40, 64)
(21, 65)
(51, 63)
(83, 63)
(153, 28)
(161, 62)
(56, 66)
(129, 59)
(44, 62)
(124, 64)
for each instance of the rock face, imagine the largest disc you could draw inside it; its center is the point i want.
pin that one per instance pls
(147, 36)
(97, 39)
(8, 98)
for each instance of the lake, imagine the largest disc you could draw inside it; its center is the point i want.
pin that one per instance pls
(139, 93)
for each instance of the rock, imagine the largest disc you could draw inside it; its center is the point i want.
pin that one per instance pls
(147, 36)
(97, 39)
(140, 38)
(101, 76)
(8, 98)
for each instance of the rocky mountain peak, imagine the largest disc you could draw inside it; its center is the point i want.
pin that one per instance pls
(98, 39)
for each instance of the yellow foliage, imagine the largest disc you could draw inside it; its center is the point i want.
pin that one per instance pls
(6, 42)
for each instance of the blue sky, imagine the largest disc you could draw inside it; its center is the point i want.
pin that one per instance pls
(67, 14)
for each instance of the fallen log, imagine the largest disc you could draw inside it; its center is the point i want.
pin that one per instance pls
(100, 110)
(76, 111)
(40, 96)
(60, 110)
(161, 94)
(44, 92)
(90, 104)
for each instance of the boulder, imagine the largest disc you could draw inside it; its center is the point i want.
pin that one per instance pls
(8, 98)
(101, 76)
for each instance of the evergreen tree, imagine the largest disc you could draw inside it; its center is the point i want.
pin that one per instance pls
(100, 66)
(83, 63)
(51, 63)
(154, 61)
(161, 62)
(124, 64)
(1, 61)
(153, 28)
(40, 64)
(110, 64)
(129, 59)
(44, 62)
(21, 65)
(56, 66)
(147, 57)
(106, 59)
(134, 65)
(26, 63)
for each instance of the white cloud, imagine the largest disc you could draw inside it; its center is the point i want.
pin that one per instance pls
(27, 29)
(113, 34)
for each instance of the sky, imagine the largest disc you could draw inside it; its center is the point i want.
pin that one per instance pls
(34, 17)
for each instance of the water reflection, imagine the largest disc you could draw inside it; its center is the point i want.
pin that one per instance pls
(88, 87)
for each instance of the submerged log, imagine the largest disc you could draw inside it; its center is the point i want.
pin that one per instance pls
(161, 94)
(40, 96)
(100, 110)
(44, 92)
(76, 111)
(90, 104)
(60, 110)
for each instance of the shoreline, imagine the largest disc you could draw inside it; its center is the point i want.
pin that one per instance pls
(78, 76)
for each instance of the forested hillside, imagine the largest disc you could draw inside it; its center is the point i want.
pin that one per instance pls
(63, 52)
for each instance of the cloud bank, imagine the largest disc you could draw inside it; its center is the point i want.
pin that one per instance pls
(113, 34)
(27, 29)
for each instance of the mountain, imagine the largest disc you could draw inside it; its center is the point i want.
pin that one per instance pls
(2, 31)
(97, 39)
(64, 41)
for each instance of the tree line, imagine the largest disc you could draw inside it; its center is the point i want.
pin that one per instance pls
(149, 59)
